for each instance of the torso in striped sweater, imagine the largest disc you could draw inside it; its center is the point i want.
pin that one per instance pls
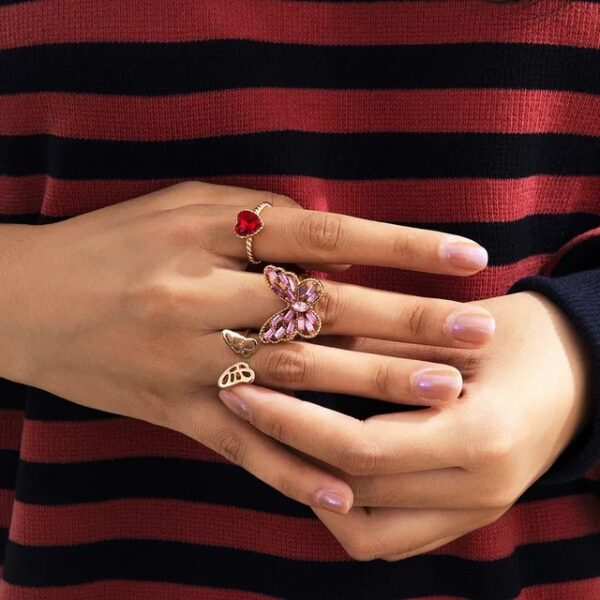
(465, 116)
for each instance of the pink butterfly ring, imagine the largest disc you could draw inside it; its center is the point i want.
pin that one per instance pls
(247, 225)
(299, 316)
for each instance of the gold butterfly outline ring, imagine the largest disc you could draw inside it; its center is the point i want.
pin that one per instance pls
(240, 372)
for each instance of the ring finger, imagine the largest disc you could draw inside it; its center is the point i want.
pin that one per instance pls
(302, 366)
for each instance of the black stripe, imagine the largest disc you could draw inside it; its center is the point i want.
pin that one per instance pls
(9, 462)
(512, 241)
(149, 560)
(581, 257)
(178, 478)
(44, 406)
(150, 477)
(3, 542)
(356, 156)
(12, 395)
(175, 68)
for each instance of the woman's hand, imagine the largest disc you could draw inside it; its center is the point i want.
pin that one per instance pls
(121, 309)
(429, 476)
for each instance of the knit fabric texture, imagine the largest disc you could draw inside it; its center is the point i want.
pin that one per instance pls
(476, 118)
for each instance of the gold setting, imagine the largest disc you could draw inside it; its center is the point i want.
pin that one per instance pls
(240, 344)
(240, 372)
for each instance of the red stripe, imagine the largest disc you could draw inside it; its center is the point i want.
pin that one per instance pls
(253, 110)
(586, 589)
(413, 200)
(7, 499)
(125, 590)
(245, 529)
(76, 441)
(421, 22)
(11, 424)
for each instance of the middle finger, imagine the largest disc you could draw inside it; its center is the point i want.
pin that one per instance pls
(354, 310)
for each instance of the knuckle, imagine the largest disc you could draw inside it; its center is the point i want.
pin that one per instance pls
(182, 231)
(366, 492)
(359, 458)
(321, 230)
(291, 366)
(494, 450)
(287, 486)
(417, 320)
(403, 246)
(152, 301)
(382, 380)
(229, 444)
(363, 548)
(188, 187)
(500, 497)
(277, 431)
(332, 306)
(280, 200)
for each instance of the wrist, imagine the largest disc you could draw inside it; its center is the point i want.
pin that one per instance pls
(19, 254)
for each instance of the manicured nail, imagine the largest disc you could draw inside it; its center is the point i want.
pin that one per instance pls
(235, 404)
(437, 383)
(333, 501)
(472, 327)
(464, 255)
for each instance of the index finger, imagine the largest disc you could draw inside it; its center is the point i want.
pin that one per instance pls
(392, 443)
(292, 235)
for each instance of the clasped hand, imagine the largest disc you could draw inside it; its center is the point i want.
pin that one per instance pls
(423, 478)
(126, 317)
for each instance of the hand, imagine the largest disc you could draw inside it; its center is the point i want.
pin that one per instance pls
(429, 476)
(121, 310)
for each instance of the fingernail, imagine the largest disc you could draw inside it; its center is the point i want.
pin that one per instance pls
(330, 500)
(235, 404)
(472, 327)
(437, 383)
(464, 255)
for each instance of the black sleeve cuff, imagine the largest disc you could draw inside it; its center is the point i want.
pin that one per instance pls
(578, 296)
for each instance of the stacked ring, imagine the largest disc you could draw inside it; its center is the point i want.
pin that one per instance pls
(240, 372)
(247, 225)
(299, 317)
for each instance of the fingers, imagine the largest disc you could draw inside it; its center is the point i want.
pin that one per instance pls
(302, 366)
(391, 443)
(214, 426)
(188, 193)
(443, 488)
(352, 310)
(303, 236)
(394, 534)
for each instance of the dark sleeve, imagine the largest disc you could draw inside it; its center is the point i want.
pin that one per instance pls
(572, 281)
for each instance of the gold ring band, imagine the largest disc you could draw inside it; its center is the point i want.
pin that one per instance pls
(248, 224)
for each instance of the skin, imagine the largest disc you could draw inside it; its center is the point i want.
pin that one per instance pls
(421, 479)
(121, 309)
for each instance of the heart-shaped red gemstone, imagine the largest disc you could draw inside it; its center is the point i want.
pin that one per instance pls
(248, 223)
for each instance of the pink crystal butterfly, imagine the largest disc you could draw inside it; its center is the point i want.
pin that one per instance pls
(299, 316)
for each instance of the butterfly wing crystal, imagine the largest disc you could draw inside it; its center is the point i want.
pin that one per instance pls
(299, 316)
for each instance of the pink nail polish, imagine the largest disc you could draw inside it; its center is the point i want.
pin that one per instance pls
(464, 255)
(437, 384)
(331, 500)
(235, 404)
(471, 327)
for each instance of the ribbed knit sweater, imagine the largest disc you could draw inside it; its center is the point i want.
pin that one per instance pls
(471, 117)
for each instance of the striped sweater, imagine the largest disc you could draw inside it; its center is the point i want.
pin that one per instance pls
(471, 117)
